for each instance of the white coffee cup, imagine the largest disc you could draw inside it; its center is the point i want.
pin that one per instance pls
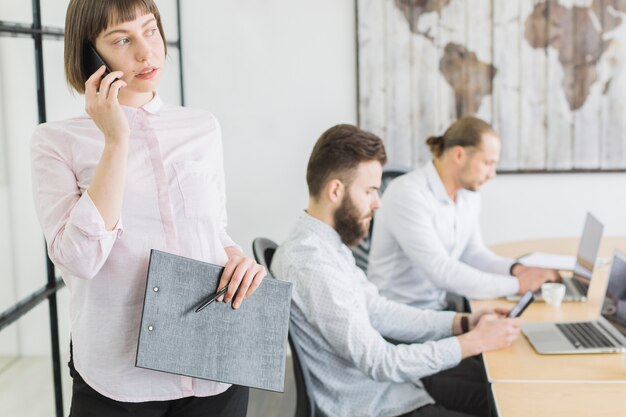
(553, 293)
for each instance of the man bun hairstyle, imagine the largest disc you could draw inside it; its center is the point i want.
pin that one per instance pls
(466, 132)
(435, 144)
(338, 152)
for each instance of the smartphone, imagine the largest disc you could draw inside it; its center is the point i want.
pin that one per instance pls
(93, 61)
(521, 305)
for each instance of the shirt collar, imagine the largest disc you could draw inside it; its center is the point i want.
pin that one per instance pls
(435, 183)
(152, 107)
(321, 229)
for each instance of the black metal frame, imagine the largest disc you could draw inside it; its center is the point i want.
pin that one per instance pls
(38, 32)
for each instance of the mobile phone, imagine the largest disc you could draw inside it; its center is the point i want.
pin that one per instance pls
(521, 305)
(93, 61)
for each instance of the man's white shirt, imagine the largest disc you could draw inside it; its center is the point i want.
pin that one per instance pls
(425, 244)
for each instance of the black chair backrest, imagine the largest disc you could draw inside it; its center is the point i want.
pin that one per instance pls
(305, 404)
(263, 250)
(389, 174)
(361, 251)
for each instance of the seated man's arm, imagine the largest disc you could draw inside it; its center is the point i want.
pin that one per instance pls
(479, 256)
(336, 307)
(405, 323)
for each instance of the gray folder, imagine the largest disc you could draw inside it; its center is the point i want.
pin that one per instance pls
(246, 346)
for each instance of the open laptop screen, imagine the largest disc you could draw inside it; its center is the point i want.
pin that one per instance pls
(588, 250)
(614, 306)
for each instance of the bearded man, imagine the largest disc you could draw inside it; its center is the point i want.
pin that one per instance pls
(343, 325)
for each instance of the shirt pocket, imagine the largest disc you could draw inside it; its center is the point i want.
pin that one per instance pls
(199, 187)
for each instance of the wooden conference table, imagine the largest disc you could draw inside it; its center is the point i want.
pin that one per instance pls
(526, 383)
(558, 399)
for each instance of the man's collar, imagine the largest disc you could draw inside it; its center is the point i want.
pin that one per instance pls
(435, 183)
(322, 229)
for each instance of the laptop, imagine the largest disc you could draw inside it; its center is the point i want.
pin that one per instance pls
(607, 334)
(577, 286)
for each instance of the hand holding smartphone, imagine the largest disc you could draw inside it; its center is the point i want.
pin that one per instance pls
(93, 61)
(521, 305)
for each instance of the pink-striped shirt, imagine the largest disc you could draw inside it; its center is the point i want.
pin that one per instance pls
(174, 200)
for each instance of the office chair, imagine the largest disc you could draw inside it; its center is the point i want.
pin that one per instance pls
(361, 251)
(263, 250)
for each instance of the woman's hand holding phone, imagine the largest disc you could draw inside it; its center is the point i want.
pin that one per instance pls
(102, 105)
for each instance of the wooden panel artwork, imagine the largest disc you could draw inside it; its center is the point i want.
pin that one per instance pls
(550, 75)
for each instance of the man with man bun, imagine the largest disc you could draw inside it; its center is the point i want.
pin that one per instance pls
(426, 239)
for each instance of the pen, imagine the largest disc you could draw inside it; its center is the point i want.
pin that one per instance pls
(211, 298)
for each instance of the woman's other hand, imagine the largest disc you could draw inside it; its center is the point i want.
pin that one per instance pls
(243, 276)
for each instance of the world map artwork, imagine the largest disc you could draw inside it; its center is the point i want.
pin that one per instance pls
(549, 74)
(579, 37)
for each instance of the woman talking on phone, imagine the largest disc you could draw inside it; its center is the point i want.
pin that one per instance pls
(130, 175)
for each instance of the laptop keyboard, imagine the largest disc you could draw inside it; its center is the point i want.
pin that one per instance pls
(582, 288)
(584, 335)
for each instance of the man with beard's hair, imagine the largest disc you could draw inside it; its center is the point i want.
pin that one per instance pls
(426, 239)
(341, 321)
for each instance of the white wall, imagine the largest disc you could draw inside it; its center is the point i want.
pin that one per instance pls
(24, 259)
(276, 74)
(534, 206)
(8, 337)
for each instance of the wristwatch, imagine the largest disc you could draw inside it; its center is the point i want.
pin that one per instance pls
(513, 267)
(464, 324)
